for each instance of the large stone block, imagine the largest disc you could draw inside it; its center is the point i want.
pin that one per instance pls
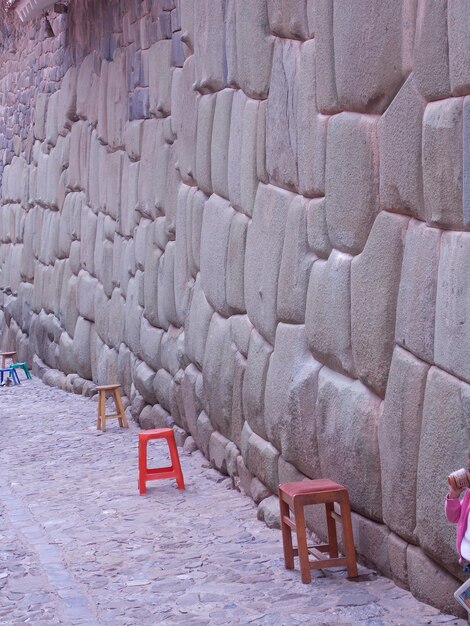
(81, 348)
(416, 307)
(264, 246)
(431, 50)
(209, 45)
(375, 277)
(289, 400)
(183, 278)
(442, 162)
(235, 272)
(452, 345)
(218, 370)
(166, 288)
(346, 421)
(192, 390)
(205, 118)
(184, 118)
(235, 148)
(458, 17)
(40, 113)
(281, 115)
(373, 43)
(220, 142)
(160, 74)
(352, 180)
(442, 448)
(86, 295)
(261, 458)
(87, 76)
(67, 104)
(254, 383)
(430, 583)
(317, 230)
(217, 219)
(399, 435)
(311, 128)
(296, 264)
(327, 97)
(400, 131)
(197, 324)
(288, 18)
(150, 340)
(144, 378)
(117, 100)
(254, 48)
(328, 317)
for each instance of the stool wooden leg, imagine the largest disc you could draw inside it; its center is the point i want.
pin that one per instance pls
(120, 409)
(348, 538)
(102, 410)
(142, 467)
(286, 535)
(332, 537)
(305, 572)
(175, 462)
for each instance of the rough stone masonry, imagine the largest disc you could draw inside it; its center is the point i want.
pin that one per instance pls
(255, 216)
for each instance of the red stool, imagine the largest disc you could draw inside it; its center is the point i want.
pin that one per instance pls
(173, 471)
(293, 497)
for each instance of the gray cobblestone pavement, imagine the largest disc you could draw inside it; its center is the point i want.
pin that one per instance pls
(79, 545)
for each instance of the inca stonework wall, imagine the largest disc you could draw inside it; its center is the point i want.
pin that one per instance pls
(254, 215)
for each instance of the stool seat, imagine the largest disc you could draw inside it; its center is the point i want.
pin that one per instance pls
(294, 497)
(102, 415)
(172, 471)
(108, 387)
(310, 487)
(5, 356)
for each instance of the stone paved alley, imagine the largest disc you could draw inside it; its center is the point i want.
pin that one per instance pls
(78, 545)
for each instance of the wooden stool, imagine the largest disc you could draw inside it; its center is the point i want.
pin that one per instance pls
(293, 497)
(7, 356)
(102, 416)
(173, 471)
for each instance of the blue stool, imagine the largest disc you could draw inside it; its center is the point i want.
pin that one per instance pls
(10, 372)
(23, 366)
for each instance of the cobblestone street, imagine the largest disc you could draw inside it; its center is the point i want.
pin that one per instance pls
(79, 545)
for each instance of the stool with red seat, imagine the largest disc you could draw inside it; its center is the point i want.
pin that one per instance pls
(293, 497)
(172, 471)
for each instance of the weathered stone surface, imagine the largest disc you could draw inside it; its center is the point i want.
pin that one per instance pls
(86, 295)
(442, 162)
(218, 215)
(451, 346)
(295, 265)
(281, 115)
(67, 103)
(400, 138)
(432, 583)
(268, 511)
(291, 393)
(217, 445)
(369, 69)
(40, 113)
(352, 179)
(204, 432)
(184, 118)
(311, 128)
(457, 21)
(371, 541)
(205, 117)
(235, 263)
(431, 50)
(254, 383)
(264, 246)
(327, 97)
(218, 369)
(399, 435)
(87, 76)
(160, 74)
(328, 316)
(397, 558)
(197, 324)
(254, 48)
(261, 458)
(209, 45)
(346, 416)
(220, 142)
(375, 276)
(416, 307)
(288, 18)
(442, 448)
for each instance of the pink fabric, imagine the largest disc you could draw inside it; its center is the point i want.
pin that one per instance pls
(457, 513)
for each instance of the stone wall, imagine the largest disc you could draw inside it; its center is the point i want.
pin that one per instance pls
(254, 215)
